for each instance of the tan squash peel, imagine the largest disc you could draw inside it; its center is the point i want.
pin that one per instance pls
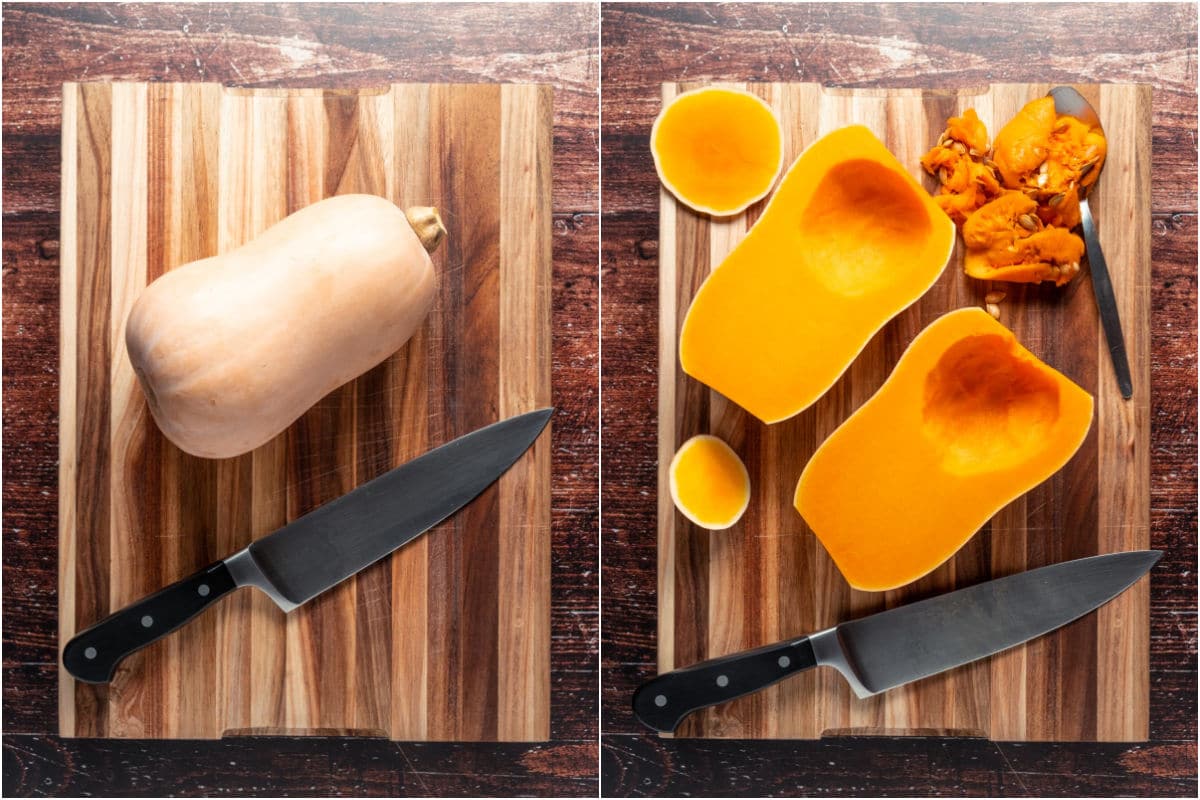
(232, 349)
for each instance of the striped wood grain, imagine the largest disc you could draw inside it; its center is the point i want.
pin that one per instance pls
(769, 578)
(448, 639)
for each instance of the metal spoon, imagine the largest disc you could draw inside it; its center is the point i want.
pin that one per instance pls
(1070, 103)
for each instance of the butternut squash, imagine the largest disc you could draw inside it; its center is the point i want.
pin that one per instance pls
(848, 241)
(709, 483)
(232, 349)
(717, 150)
(968, 421)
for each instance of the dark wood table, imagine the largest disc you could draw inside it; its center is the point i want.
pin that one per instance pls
(896, 46)
(288, 46)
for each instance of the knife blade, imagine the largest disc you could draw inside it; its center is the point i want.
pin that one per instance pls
(904, 644)
(321, 549)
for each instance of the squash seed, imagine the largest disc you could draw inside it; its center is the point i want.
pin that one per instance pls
(994, 297)
(1058, 198)
(994, 310)
(958, 147)
(944, 175)
(975, 153)
(1027, 222)
(1087, 168)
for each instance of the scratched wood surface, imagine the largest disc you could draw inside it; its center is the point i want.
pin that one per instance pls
(767, 578)
(449, 638)
(865, 45)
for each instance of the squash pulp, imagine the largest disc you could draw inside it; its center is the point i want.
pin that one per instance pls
(846, 243)
(968, 421)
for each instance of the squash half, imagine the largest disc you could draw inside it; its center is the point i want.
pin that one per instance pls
(846, 243)
(968, 421)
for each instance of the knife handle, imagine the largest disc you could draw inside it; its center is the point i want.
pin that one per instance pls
(663, 702)
(92, 656)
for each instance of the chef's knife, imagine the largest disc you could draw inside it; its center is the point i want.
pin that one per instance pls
(904, 644)
(321, 549)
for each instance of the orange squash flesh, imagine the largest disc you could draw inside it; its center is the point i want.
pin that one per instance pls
(848, 241)
(1050, 158)
(968, 421)
(717, 150)
(709, 483)
(959, 163)
(1007, 241)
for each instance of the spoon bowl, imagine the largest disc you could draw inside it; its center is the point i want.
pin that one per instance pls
(1070, 103)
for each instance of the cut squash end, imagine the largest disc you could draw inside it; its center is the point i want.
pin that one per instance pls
(717, 150)
(709, 483)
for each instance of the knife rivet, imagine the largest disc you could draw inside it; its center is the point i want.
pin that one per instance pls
(722, 681)
(660, 700)
(90, 653)
(147, 621)
(203, 589)
(785, 662)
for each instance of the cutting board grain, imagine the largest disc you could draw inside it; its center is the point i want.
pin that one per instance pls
(449, 638)
(768, 578)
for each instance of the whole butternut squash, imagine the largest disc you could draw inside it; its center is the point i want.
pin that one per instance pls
(232, 349)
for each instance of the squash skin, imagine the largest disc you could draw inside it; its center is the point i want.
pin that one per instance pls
(848, 241)
(968, 421)
(230, 350)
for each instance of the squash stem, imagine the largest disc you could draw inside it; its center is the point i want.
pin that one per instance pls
(427, 223)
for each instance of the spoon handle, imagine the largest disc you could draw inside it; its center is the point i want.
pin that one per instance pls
(1106, 301)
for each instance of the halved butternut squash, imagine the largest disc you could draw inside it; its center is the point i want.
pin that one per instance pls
(709, 483)
(968, 421)
(847, 242)
(717, 150)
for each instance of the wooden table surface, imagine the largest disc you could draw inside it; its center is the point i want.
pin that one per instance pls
(292, 46)
(895, 46)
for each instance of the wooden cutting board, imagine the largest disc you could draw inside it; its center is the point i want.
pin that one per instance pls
(768, 578)
(449, 638)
